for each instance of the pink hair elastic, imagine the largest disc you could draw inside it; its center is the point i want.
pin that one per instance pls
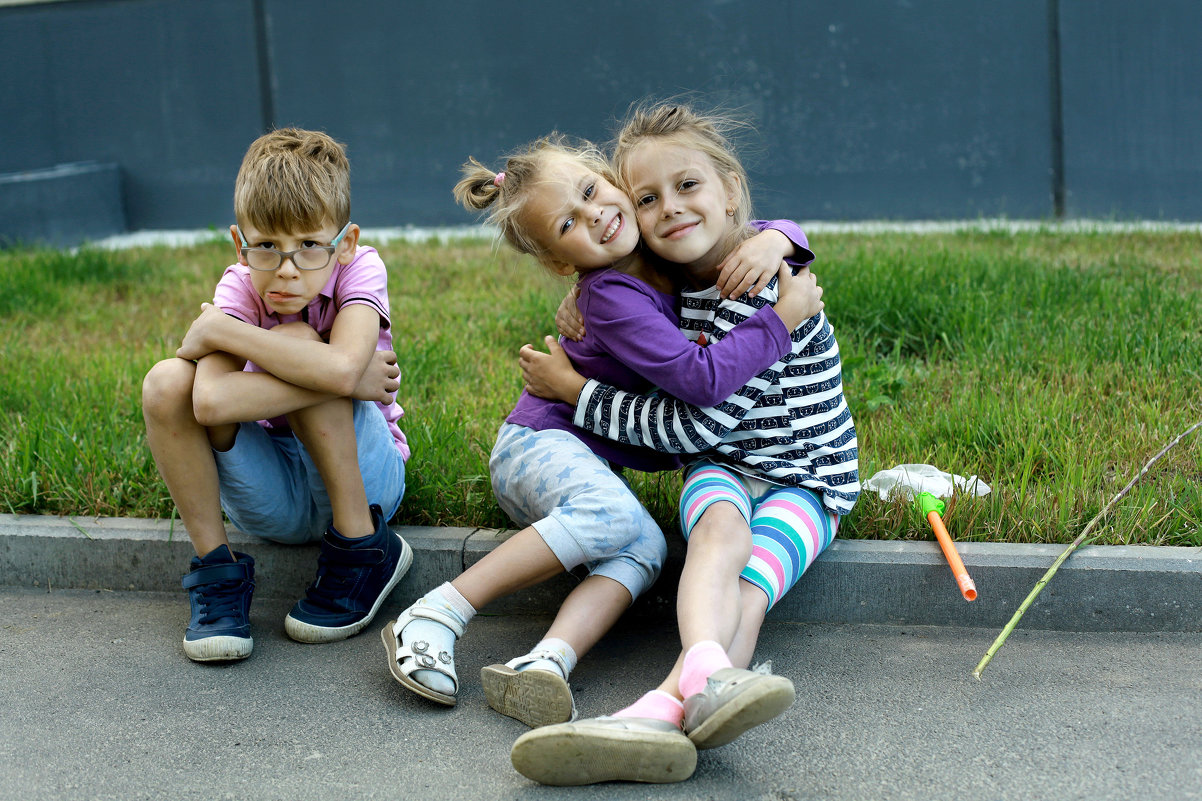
(500, 179)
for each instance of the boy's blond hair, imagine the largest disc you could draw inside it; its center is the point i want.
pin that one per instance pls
(293, 180)
(504, 194)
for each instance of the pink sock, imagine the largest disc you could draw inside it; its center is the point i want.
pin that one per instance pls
(655, 704)
(700, 662)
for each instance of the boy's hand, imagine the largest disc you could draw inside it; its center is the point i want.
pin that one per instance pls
(568, 321)
(751, 265)
(799, 298)
(550, 375)
(380, 380)
(203, 335)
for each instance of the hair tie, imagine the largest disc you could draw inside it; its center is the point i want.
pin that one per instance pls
(499, 179)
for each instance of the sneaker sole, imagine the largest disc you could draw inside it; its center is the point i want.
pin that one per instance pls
(219, 649)
(309, 633)
(757, 704)
(565, 756)
(535, 697)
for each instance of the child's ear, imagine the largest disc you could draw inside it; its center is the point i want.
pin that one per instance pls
(237, 244)
(733, 185)
(346, 248)
(561, 268)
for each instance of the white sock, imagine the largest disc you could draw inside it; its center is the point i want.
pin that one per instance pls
(558, 646)
(437, 636)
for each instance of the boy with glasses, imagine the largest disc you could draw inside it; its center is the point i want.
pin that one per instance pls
(278, 407)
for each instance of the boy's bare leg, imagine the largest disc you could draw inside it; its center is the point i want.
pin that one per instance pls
(327, 431)
(182, 450)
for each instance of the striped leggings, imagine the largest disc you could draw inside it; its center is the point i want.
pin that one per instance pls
(789, 526)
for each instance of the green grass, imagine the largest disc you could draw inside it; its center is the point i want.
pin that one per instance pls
(1051, 365)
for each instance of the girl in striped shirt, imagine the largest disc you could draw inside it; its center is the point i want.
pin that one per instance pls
(778, 468)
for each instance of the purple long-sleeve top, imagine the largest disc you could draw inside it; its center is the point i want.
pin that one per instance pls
(633, 341)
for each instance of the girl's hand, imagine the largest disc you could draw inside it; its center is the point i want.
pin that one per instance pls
(800, 297)
(380, 380)
(751, 265)
(568, 321)
(550, 375)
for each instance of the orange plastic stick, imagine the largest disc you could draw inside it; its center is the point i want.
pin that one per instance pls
(967, 588)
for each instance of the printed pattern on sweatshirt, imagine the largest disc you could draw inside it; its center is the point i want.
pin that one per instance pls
(789, 425)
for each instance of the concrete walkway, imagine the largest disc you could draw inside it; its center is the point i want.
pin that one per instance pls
(1097, 695)
(99, 702)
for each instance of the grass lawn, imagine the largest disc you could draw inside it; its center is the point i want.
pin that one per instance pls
(1052, 365)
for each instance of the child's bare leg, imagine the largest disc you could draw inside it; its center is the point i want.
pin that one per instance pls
(182, 450)
(328, 433)
(708, 603)
(521, 561)
(590, 610)
(754, 608)
(533, 688)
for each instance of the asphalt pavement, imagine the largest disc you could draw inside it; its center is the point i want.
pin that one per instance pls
(1097, 694)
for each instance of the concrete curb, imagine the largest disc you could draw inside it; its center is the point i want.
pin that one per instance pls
(1100, 588)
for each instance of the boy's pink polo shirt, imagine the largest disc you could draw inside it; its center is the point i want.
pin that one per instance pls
(363, 281)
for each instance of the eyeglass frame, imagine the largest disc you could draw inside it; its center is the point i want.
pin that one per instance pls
(288, 254)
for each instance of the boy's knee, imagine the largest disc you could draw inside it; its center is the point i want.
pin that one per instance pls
(166, 385)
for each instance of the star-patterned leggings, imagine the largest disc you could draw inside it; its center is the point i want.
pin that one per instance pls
(583, 509)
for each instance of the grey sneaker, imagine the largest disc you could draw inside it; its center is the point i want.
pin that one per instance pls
(605, 749)
(733, 701)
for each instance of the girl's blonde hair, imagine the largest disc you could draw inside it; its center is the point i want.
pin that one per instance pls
(293, 181)
(711, 133)
(504, 194)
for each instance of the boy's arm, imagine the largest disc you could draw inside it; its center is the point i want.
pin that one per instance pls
(333, 367)
(222, 393)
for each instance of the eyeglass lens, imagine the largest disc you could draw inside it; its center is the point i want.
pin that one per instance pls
(313, 258)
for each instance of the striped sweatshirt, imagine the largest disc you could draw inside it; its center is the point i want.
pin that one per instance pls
(789, 425)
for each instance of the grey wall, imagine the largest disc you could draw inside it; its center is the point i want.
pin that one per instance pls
(914, 109)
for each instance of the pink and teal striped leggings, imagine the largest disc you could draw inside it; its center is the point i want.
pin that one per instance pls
(789, 526)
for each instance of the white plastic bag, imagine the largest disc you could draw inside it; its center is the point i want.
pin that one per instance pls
(908, 480)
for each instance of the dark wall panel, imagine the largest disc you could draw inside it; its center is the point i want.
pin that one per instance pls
(922, 109)
(168, 90)
(1132, 108)
(913, 109)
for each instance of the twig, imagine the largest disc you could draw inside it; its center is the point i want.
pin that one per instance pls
(1039, 585)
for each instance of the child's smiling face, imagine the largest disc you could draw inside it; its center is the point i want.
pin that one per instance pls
(683, 203)
(582, 220)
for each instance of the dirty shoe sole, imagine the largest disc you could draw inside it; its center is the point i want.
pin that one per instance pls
(757, 703)
(568, 755)
(535, 697)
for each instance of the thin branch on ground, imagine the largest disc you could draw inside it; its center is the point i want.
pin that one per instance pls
(1081, 538)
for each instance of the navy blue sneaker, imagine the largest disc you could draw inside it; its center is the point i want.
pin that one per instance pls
(219, 587)
(353, 579)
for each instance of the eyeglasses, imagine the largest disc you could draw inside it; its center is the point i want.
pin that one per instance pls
(313, 257)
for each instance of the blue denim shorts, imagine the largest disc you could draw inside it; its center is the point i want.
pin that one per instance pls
(270, 487)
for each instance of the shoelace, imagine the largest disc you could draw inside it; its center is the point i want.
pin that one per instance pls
(219, 600)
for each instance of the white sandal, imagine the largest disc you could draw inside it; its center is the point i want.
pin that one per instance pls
(535, 697)
(403, 660)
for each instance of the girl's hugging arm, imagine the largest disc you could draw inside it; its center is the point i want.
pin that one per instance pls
(671, 425)
(298, 371)
(625, 322)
